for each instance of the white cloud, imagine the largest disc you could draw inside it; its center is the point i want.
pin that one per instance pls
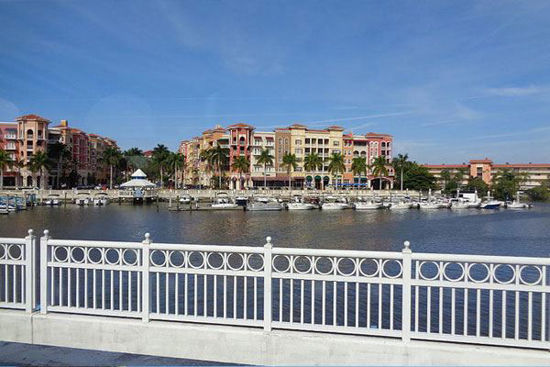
(517, 91)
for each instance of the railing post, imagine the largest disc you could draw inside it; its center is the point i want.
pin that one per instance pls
(406, 297)
(30, 276)
(268, 248)
(145, 262)
(44, 272)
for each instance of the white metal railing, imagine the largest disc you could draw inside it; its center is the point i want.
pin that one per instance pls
(17, 272)
(491, 300)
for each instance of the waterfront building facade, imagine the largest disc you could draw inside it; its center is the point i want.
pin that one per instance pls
(535, 173)
(31, 134)
(297, 139)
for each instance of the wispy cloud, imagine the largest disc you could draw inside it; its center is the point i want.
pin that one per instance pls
(356, 118)
(517, 91)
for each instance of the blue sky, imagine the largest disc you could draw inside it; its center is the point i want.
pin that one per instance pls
(451, 80)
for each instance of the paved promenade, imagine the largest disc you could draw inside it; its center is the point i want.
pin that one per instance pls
(40, 355)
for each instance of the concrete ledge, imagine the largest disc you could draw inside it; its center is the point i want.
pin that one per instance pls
(248, 345)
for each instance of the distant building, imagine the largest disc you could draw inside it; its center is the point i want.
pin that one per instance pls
(242, 140)
(30, 134)
(486, 169)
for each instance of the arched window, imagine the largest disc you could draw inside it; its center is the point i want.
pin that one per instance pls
(30, 134)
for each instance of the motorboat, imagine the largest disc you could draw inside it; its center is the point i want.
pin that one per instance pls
(222, 201)
(400, 205)
(332, 203)
(52, 200)
(186, 199)
(264, 204)
(460, 203)
(101, 199)
(517, 204)
(82, 199)
(298, 204)
(490, 203)
(367, 205)
(241, 200)
(434, 204)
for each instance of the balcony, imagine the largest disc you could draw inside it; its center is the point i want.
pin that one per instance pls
(10, 136)
(11, 147)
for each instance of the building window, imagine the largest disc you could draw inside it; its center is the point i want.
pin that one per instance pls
(335, 143)
(298, 142)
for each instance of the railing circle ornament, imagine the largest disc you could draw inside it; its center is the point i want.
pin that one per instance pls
(365, 273)
(385, 271)
(503, 266)
(209, 263)
(239, 257)
(251, 257)
(127, 257)
(341, 271)
(526, 267)
(74, 253)
(482, 280)
(115, 253)
(425, 263)
(286, 258)
(159, 254)
(297, 261)
(173, 258)
(92, 251)
(3, 251)
(330, 265)
(448, 277)
(14, 252)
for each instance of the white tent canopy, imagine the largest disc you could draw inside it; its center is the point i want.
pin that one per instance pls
(139, 180)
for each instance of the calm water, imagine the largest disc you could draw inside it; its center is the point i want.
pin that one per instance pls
(503, 232)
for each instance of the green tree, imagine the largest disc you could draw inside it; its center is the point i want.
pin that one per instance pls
(445, 177)
(38, 163)
(161, 156)
(336, 166)
(241, 164)
(5, 162)
(417, 177)
(359, 167)
(265, 159)
(111, 156)
(477, 184)
(399, 164)
(507, 183)
(313, 162)
(219, 157)
(60, 154)
(133, 152)
(539, 193)
(290, 162)
(379, 168)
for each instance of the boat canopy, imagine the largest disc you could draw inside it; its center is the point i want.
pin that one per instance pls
(139, 180)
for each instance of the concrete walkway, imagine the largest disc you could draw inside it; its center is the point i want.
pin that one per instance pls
(38, 355)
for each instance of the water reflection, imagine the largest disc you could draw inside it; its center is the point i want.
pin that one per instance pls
(467, 231)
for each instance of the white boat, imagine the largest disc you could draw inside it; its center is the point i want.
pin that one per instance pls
(367, 205)
(434, 205)
(460, 203)
(222, 201)
(333, 203)
(517, 204)
(82, 199)
(490, 203)
(101, 199)
(186, 199)
(264, 204)
(299, 204)
(400, 205)
(52, 200)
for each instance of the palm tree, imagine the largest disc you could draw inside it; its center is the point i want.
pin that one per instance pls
(399, 163)
(18, 164)
(160, 158)
(379, 168)
(111, 156)
(175, 160)
(218, 158)
(266, 159)
(132, 152)
(290, 162)
(359, 167)
(5, 161)
(313, 162)
(58, 152)
(336, 165)
(241, 164)
(38, 163)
